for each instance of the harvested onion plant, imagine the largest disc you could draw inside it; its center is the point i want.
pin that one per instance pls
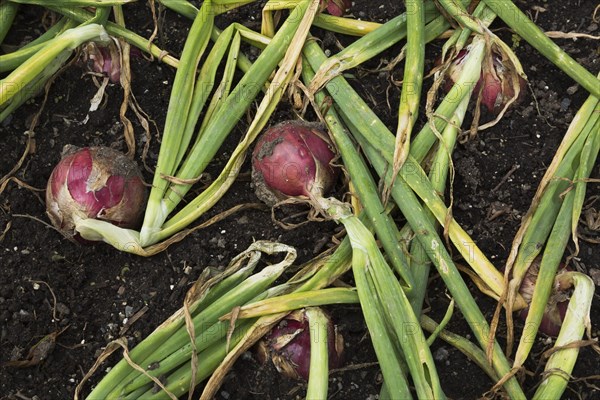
(166, 353)
(177, 170)
(541, 243)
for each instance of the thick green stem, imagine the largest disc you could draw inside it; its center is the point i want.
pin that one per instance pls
(412, 82)
(318, 379)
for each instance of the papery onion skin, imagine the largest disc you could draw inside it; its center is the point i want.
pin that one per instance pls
(287, 345)
(94, 182)
(558, 302)
(103, 59)
(292, 159)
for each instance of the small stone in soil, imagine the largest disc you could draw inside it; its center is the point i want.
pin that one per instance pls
(441, 354)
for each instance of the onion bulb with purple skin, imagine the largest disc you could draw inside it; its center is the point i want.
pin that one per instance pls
(292, 159)
(94, 182)
(103, 59)
(558, 302)
(498, 83)
(288, 344)
(336, 7)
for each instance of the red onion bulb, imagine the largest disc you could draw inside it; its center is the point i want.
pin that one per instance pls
(497, 80)
(557, 303)
(292, 159)
(336, 7)
(94, 182)
(103, 59)
(288, 346)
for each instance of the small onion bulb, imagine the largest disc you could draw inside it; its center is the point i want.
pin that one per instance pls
(292, 159)
(94, 182)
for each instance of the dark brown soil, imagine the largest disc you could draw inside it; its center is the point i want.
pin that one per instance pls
(48, 284)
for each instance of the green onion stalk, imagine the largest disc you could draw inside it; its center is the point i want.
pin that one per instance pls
(483, 15)
(12, 60)
(458, 12)
(318, 380)
(383, 299)
(346, 26)
(377, 41)
(441, 165)
(376, 141)
(438, 175)
(189, 11)
(295, 301)
(411, 83)
(8, 11)
(83, 16)
(29, 77)
(173, 144)
(366, 189)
